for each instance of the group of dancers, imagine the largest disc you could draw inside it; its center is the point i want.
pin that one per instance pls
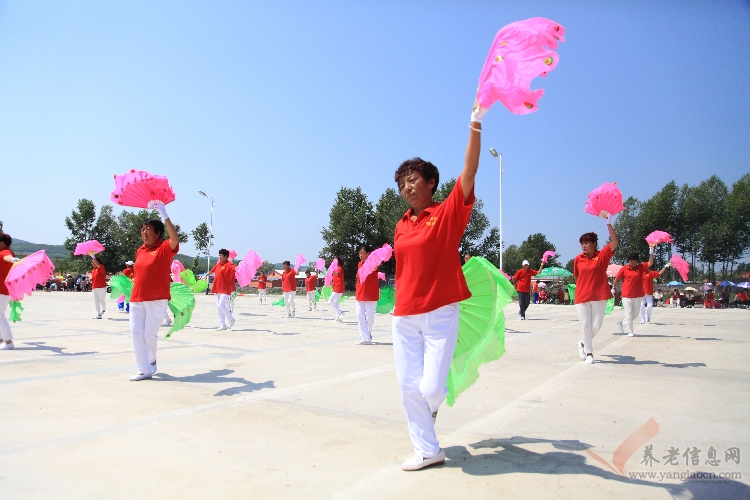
(426, 314)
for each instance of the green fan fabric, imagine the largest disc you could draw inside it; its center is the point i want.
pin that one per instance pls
(572, 293)
(279, 302)
(197, 286)
(182, 304)
(15, 311)
(317, 295)
(610, 306)
(121, 285)
(326, 292)
(386, 301)
(481, 325)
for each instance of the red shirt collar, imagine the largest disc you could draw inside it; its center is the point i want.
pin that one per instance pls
(410, 213)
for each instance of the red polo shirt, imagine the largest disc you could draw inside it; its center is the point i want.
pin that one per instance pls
(428, 267)
(224, 278)
(338, 280)
(98, 277)
(523, 279)
(288, 281)
(128, 271)
(310, 283)
(152, 272)
(369, 290)
(591, 276)
(632, 280)
(648, 282)
(4, 270)
(262, 282)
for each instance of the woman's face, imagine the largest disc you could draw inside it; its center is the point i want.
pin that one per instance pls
(588, 247)
(363, 254)
(416, 191)
(633, 264)
(148, 235)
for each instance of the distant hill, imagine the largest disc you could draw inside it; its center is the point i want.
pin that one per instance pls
(22, 248)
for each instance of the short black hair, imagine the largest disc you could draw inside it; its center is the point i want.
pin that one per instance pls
(589, 237)
(307, 271)
(224, 252)
(286, 262)
(156, 224)
(5, 238)
(427, 170)
(633, 256)
(367, 248)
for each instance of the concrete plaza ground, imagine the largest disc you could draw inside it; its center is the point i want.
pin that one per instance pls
(291, 408)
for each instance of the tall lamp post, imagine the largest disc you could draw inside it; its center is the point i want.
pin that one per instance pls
(499, 157)
(210, 230)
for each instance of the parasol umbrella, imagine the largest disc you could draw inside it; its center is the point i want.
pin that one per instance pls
(690, 289)
(542, 285)
(481, 325)
(744, 284)
(613, 269)
(725, 283)
(27, 273)
(556, 272)
(675, 283)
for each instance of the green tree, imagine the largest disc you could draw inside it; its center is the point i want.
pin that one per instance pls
(534, 247)
(569, 265)
(631, 231)
(478, 221)
(512, 259)
(352, 223)
(265, 267)
(80, 223)
(389, 209)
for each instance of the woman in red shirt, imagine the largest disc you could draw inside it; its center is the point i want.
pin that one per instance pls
(98, 286)
(7, 258)
(632, 288)
(429, 286)
(289, 288)
(367, 295)
(311, 280)
(592, 287)
(338, 290)
(150, 296)
(262, 284)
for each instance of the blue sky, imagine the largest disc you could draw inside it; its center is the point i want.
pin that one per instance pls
(274, 107)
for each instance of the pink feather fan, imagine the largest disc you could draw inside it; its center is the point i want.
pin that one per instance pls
(232, 254)
(320, 265)
(298, 262)
(381, 276)
(91, 247)
(547, 255)
(27, 273)
(376, 257)
(519, 53)
(245, 272)
(658, 237)
(329, 274)
(140, 189)
(681, 265)
(176, 269)
(605, 200)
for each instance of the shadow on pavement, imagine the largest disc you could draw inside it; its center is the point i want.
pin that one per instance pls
(630, 360)
(219, 377)
(509, 458)
(42, 346)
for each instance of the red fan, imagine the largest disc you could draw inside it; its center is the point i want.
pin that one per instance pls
(605, 200)
(27, 273)
(681, 265)
(140, 189)
(91, 247)
(658, 237)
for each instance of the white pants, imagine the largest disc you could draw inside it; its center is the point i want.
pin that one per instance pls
(99, 294)
(647, 304)
(222, 307)
(423, 346)
(673, 302)
(311, 300)
(4, 325)
(366, 318)
(591, 316)
(631, 305)
(167, 318)
(262, 295)
(289, 302)
(334, 301)
(145, 320)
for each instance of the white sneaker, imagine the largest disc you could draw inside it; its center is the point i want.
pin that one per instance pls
(364, 342)
(140, 376)
(581, 352)
(643, 322)
(98, 316)
(434, 417)
(222, 328)
(590, 359)
(309, 309)
(231, 324)
(153, 367)
(4, 346)
(338, 318)
(631, 334)
(619, 327)
(294, 314)
(167, 323)
(417, 462)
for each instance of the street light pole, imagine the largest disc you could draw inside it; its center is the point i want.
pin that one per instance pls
(210, 231)
(499, 157)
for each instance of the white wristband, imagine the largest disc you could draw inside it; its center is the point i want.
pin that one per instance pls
(651, 250)
(475, 129)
